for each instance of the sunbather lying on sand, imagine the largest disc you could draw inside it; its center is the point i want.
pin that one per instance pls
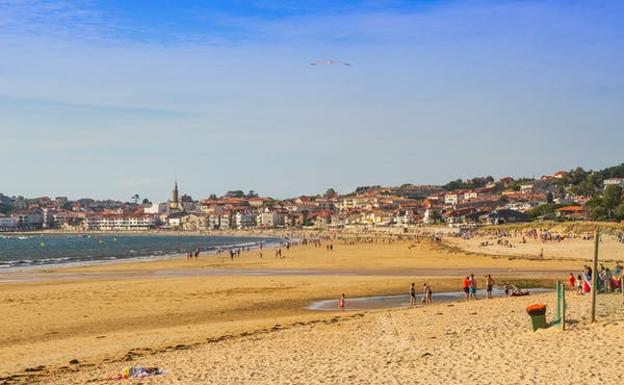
(517, 292)
(137, 372)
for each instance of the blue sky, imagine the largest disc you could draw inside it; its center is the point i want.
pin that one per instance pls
(113, 98)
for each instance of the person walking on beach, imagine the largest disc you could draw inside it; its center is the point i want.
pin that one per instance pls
(341, 302)
(413, 294)
(489, 282)
(473, 287)
(467, 288)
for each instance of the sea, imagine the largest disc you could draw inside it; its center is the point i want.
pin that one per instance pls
(26, 250)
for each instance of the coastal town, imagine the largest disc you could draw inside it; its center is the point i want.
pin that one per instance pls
(565, 195)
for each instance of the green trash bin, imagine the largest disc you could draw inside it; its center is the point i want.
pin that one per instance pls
(537, 313)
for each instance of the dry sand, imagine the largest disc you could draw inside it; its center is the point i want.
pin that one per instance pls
(98, 314)
(567, 249)
(485, 342)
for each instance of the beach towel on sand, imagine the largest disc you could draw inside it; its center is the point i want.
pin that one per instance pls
(137, 372)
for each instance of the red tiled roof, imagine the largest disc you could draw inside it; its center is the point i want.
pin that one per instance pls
(572, 208)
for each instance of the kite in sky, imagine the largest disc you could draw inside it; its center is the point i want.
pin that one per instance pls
(329, 62)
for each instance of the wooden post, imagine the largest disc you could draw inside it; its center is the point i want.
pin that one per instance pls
(558, 294)
(594, 277)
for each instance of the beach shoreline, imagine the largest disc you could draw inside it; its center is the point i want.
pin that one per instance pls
(61, 262)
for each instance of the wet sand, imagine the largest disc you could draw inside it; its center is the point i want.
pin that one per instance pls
(403, 300)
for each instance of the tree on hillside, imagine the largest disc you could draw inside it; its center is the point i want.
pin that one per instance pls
(235, 194)
(135, 198)
(608, 205)
(363, 189)
(330, 193)
(611, 198)
(589, 186)
(613, 172)
(5, 208)
(454, 185)
(618, 213)
(146, 201)
(544, 209)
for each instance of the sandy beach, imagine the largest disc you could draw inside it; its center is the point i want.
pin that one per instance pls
(566, 249)
(486, 342)
(243, 321)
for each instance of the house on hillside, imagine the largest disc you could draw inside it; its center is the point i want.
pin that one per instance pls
(502, 216)
(470, 195)
(614, 181)
(560, 174)
(571, 212)
(454, 197)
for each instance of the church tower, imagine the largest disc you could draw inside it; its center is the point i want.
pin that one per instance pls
(173, 204)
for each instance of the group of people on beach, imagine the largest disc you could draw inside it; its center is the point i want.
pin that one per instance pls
(470, 286)
(192, 254)
(608, 280)
(470, 291)
(427, 295)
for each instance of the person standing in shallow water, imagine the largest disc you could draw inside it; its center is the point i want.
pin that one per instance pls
(467, 288)
(413, 301)
(427, 294)
(473, 287)
(489, 282)
(341, 302)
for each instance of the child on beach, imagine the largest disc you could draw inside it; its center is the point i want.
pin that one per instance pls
(507, 287)
(579, 285)
(341, 302)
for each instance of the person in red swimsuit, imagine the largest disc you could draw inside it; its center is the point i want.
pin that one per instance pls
(467, 287)
(341, 302)
(572, 281)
